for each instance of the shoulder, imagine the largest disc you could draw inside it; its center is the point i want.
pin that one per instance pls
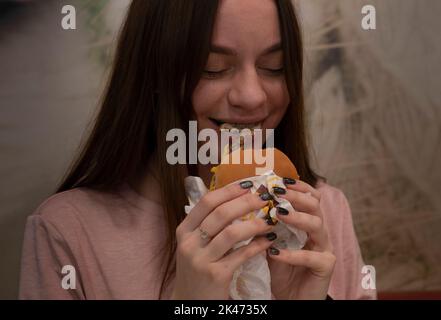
(92, 211)
(73, 207)
(337, 215)
(73, 200)
(334, 205)
(329, 191)
(331, 196)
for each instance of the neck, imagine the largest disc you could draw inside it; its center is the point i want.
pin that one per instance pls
(148, 185)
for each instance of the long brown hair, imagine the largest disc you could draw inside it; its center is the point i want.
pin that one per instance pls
(160, 57)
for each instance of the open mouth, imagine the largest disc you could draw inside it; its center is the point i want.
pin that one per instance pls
(242, 130)
(240, 126)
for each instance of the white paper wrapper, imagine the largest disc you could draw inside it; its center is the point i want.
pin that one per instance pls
(252, 280)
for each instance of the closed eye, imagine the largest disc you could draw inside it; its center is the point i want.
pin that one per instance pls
(274, 71)
(214, 74)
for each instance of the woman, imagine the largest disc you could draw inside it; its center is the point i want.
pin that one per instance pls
(118, 218)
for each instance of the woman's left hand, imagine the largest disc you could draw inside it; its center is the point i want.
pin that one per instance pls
(302, 274)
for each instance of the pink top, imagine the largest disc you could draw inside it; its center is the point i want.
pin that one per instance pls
(113, 240)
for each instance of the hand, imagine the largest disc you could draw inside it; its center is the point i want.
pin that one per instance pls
(205, 267)
(302, 274)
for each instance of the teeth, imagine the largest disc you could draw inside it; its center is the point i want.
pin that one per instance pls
(241, 126)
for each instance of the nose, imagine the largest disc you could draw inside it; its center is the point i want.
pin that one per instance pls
(247, 92)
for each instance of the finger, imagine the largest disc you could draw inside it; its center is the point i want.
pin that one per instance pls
(210, 201)
(235, 259)
(302, 186)
(320, 263)
(311, 224)
(233, 234)
(229, 211)
(300, 201)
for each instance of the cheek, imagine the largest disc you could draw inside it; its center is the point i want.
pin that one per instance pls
(206, 97)
(278, 98)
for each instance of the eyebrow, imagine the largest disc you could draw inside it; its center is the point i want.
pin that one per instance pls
(231, 52)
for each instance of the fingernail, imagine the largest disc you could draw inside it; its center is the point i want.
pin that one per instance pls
(246, 184)
(278, 190)
(289, 181)
(270, 221)
(282, 211)
(266, 196)
(273, 251)
(271, 236)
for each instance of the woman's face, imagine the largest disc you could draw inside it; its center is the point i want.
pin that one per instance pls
(243, 82)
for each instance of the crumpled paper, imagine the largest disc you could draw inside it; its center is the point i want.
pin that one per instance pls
(252, 281)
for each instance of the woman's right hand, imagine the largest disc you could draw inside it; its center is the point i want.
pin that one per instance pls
(205, 267)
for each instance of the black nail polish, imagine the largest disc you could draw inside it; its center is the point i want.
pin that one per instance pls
(266, 196)
(282, 211)
(273, 251)
(270, 222)
(246, 184)
(278, 190)
(271, 236)
(289, 181)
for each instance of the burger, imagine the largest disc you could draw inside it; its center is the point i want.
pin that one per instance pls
(229, 171)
